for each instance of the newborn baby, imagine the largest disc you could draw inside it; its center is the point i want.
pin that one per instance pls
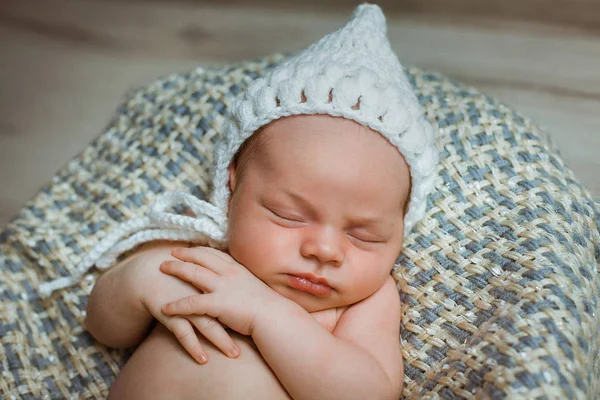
(280, 286)
(309, 232)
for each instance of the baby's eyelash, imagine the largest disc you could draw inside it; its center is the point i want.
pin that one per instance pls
(284, 218)
(366, 241)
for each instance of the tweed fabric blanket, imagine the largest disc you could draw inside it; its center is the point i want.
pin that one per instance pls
(499, 282)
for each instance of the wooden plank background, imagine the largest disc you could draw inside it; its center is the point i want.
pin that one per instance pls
(65, 64)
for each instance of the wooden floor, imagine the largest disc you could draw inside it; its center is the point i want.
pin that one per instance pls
(65, 64)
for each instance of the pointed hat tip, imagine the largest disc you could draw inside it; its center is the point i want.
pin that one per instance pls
(371, 11)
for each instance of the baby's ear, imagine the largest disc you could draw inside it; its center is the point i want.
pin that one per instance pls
(232, 176)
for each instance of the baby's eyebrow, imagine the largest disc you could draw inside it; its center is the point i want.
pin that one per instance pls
(298, 198)
(367, 221)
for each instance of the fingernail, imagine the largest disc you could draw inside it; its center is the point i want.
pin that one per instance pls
(202, 358)
(234, 352)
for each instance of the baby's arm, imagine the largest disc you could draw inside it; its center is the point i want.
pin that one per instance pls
(115, 314)
(361, 359)
(127, 298)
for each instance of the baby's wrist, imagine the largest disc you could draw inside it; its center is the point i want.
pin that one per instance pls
(274, 311)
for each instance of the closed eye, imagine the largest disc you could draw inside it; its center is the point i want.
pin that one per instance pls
(366, 240)
(285, 218)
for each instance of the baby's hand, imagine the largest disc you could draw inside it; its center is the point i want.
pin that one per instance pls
(158, 288)
(232, 293)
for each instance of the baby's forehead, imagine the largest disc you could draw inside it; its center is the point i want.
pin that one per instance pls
(325, 137)
(341, 152)
(318, 131)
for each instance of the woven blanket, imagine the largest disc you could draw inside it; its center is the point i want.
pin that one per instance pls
(499, 282)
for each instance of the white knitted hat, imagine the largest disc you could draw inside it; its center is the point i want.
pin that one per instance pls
(351, 73)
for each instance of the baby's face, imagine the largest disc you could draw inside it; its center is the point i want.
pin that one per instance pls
(322, 197)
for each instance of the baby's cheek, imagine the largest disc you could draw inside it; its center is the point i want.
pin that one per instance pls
(281, 240)
(371, 272)
(259, 244)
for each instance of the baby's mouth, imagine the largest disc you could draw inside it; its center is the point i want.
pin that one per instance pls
(311, 284)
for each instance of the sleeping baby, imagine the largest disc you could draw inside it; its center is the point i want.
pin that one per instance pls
(280, 287)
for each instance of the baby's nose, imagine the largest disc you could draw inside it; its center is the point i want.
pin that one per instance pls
(325, 246)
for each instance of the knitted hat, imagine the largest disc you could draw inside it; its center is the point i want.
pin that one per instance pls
(351, 73)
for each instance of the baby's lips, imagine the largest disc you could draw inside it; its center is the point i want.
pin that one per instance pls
(305, 285)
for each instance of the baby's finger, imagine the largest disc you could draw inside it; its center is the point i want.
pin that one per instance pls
(197, 275)
(185, 334)
(212, 330)
(210, 258)
(199, 304)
